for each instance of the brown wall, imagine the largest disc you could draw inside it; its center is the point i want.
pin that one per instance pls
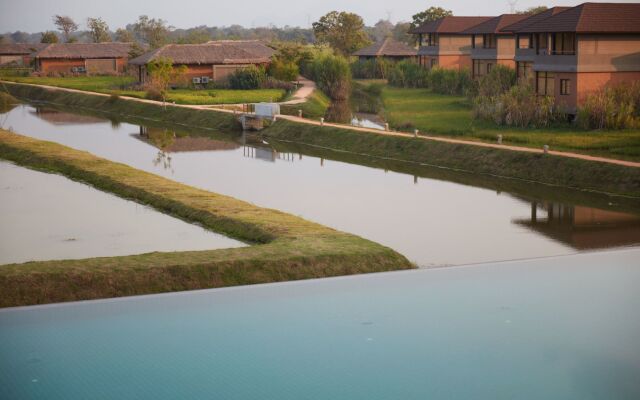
(589, 82)
(64, 65)
(608, 53)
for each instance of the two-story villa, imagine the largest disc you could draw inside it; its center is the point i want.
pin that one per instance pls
(491, 45)
(443, 44)
(584, 49)
(525, 49)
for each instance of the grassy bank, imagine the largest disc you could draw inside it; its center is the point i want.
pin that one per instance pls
(451, 116)
(285, 247)
(315, 107)
(120, 107)
(547, 169)
(120, 85)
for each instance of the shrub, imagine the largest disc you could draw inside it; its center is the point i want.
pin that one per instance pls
(272, 83)
(251, 77)
(284, 70)
(616, 107)
(154, 93)
(408, 74)
(332, 75)
(449, 81)
(376, 68)
(496, 82)
(519, 106)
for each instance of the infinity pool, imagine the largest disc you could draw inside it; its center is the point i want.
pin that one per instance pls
(555, 328)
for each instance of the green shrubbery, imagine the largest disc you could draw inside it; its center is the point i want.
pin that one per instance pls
(616, 107)
(283, 70)
(377, 68)
(332, 75)
(251, 77)
(409, 74)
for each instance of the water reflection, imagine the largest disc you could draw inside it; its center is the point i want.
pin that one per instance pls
(432, 215)
(57, 117)
(581, 227)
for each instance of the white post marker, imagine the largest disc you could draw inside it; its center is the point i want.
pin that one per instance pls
(321, 121)
(415, 133)
(499, 139)
(545, 148)
(386, 126)
(299, 113)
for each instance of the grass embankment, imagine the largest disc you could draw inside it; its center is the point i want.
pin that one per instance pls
(120, 107)
(547, 169)
(315, 107)
(120, 85)
(447, 115)
(285, 247)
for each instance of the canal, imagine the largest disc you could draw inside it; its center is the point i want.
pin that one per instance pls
(434, 217)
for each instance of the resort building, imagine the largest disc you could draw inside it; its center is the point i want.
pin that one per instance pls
(82, 58)
(584, 49)
(443, 43)
(19, 54)
(525, 49)
(491, 45)
(214, 61)
(389, 49)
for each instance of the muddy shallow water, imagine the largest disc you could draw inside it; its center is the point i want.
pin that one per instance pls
(432, 218)
(46, 217)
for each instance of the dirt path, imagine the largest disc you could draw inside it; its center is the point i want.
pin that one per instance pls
(303, 93)
(309, 90)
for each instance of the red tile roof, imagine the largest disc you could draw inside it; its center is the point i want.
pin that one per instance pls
(533, 19)
(450, 24)
(387, 47)
(592, 18)
(495, 25)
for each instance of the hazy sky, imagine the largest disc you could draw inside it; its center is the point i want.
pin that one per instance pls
(35, 15)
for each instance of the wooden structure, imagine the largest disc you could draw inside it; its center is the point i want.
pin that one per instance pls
(83, 58)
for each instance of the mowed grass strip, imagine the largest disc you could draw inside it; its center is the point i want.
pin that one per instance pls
(285, 247)
(447, 115)
(119, 85)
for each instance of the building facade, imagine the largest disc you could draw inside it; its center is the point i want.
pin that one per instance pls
(388, 49)
(443, 44)
(82, 58)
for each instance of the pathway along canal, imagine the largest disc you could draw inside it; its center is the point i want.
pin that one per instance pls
(433, 217)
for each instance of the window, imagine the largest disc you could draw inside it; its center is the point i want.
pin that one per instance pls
(434, 63)
(489, 41)
(541, 43)
(489, 66)
(563, 43)
(565, 87)
(476, 67)
(524, 69)
(524, 42)
(545, 83)
(431, 39)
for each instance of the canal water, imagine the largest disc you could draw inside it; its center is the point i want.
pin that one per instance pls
(434, 217)
(49, 217)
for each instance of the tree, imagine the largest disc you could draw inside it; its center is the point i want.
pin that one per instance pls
(154, 32)
(99, 30)
(401, 33)
(382, 30)
(161, 73)
(49, 37)
(534, 10)
(430, 14)
(341, 30)
(124, 36)
(195, 36)
(66, 25)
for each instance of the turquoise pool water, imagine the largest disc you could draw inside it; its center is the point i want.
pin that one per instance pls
(555, 328)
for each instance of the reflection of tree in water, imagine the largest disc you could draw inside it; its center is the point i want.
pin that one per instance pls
(164, 159)
(7, 103)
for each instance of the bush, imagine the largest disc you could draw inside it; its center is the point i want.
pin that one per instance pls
(519, 106)
(332, 74)
(616, 107)
(495, 83)
(376, 68)
(251, 77)
(284, 70)
(449, 81)
(408, 74)
(154, 93)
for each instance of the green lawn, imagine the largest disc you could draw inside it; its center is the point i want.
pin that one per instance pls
(119, 85)
(315, 107)
(445, 115)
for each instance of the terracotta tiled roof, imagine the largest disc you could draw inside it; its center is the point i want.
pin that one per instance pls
(387, 47)
(495, 25)
(450, 24)
(592, 18)
(21, 48)
(85, 50)
(216, 52)
(533, 19)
